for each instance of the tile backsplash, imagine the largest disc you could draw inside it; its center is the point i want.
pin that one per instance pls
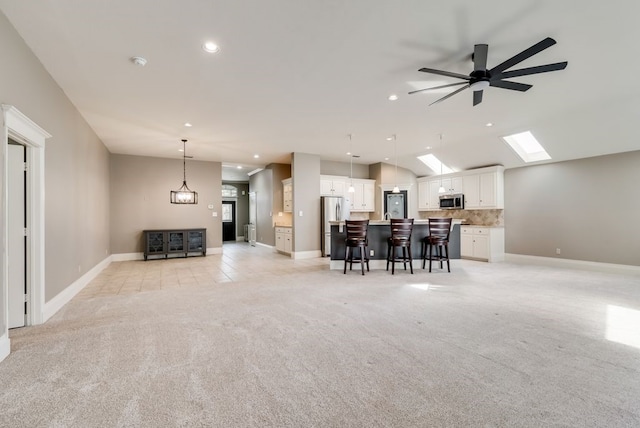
(476, 217)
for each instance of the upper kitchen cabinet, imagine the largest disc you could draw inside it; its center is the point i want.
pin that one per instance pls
(287, 195)
(332, 185)
(484, 188)
(363, 199)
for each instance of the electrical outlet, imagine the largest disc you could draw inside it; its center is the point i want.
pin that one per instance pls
(371, 253)
(557, 250)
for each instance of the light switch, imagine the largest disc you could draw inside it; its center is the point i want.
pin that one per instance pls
(214, 214)
(300, 213)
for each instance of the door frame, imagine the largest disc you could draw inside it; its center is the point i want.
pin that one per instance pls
(23, 130)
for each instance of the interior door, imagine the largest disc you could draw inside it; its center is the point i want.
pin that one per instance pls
(17, 240)
(228, 221)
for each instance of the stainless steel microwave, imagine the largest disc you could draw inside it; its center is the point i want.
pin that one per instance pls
(452, 202)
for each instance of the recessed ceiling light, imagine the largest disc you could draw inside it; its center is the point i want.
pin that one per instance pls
(348, 153)
(386, 158)
(239, 167)
(256, 156)
(489, 124)
(210, 47)
(188, 125)
(428, 147)
(389, 138)
(393, 97)
(181, 150)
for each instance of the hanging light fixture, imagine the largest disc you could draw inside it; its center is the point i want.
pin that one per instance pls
(396, 189)
(184, 195)
(351, 188)
(441, 189)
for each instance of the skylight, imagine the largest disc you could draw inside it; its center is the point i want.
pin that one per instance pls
(435, 164)
(527, 147)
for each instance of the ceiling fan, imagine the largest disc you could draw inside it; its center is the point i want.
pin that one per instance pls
(481, 78)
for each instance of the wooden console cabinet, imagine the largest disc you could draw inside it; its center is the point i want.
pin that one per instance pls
(181, 242)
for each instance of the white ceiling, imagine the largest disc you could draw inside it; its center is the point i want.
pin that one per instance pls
(299, 75)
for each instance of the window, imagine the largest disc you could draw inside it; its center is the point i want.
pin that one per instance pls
(229, 191)
(435, 164)
(527, 147)
(227, 213)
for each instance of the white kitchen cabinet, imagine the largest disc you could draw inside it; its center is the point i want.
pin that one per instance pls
(332, 185)
(363, 199)
(484, 190)
(423, 195)
(452, 185)
(287, 195)
(284, 237)
(482, 243)
(434, 195)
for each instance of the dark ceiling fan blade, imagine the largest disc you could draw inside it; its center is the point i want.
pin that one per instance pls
(538, 47)
(531, 70)
(480, 57)
(522, 87)
(444, 73)
(449, 95)
(477, 97)
(439, 87)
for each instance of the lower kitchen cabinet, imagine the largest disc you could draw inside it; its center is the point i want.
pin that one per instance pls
(482, 243)
(284, 239)
(181, 242)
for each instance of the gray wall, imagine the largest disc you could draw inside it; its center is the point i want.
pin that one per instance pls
(262, 184)
(344, 169)
(76, 166)
(588, 208)
(305, 169)
(140, 189)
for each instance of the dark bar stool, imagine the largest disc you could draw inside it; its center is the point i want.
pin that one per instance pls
(401, 229)
(356, 238)
(438, 240)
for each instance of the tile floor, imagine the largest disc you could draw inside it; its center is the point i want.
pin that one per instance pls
(238, 262)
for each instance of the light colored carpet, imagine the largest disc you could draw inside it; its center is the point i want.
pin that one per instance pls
(489, 345)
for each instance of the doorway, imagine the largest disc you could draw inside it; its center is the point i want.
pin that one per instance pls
(16, 236)
(228, 221)
(395, 204)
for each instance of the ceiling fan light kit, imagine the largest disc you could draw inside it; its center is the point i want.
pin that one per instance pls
(481, 77)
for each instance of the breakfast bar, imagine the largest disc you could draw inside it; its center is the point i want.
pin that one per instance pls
(379, 232)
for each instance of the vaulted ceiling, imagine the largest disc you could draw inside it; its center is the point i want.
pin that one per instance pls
(298, 76)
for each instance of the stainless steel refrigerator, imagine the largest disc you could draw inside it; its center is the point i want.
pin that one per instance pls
(332, 208)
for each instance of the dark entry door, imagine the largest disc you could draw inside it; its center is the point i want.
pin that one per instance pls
(228, 221)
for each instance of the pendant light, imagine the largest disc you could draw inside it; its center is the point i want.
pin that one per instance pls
(396, 189)
(351, 188)
(441, 189)
(184, 195)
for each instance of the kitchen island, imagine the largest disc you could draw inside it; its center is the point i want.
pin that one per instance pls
(378, 233)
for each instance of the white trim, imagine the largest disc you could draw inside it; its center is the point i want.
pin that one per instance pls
(216, 250)
(65, 296)
(572, 264)
(264, 245)
(239, 238)
(306, 254)
(19, 127)
(5, 346)
(127, 257)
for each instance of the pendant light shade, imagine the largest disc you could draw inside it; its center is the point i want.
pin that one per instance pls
(441, 189)
(184, 195)
(396, 189)
(351, 188)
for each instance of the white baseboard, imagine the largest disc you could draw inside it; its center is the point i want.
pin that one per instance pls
(306, 254)
(65, 296)
(264, 245)
(572, 264)
(127, 257)
(239, 238)
(5, 346)
(216, 250)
